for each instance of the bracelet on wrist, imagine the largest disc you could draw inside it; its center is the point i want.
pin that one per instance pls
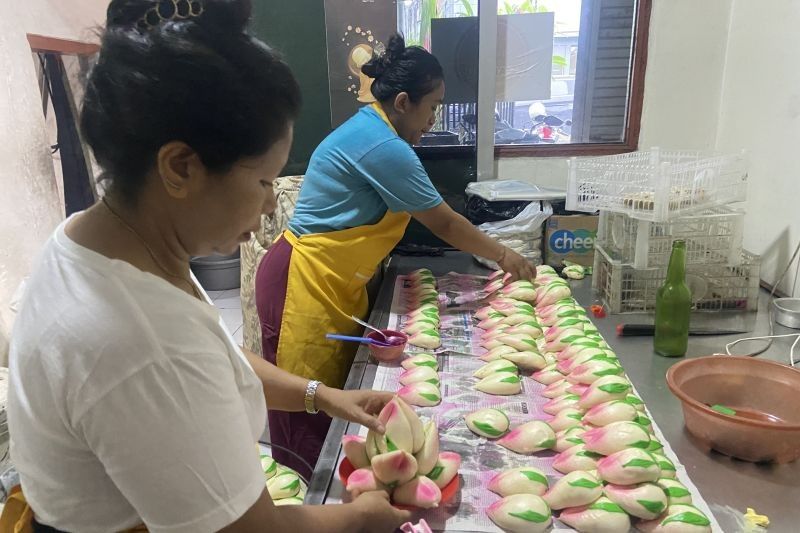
(310, 398)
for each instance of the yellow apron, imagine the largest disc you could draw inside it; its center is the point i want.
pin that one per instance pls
(17, 515)
(328, 274)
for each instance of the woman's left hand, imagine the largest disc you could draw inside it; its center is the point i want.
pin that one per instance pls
(359, 406)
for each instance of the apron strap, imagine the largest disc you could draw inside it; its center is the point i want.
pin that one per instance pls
(17, 515)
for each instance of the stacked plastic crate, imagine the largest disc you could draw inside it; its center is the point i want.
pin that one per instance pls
(646, 200)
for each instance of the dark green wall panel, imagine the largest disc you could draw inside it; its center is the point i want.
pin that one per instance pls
(297, 29)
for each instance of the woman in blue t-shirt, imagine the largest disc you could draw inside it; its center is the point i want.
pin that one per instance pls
(363, 185)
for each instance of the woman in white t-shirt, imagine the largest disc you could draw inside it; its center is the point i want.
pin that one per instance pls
(129, 403)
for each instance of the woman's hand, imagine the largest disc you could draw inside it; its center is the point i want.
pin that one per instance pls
(378, 514)
(516, 265)
(359, 406)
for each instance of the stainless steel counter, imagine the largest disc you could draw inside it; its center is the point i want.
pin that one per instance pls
(769, 489)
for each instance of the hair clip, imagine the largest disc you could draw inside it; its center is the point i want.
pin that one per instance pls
(168, 10)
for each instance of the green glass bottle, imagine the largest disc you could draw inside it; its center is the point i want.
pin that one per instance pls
(673, 307)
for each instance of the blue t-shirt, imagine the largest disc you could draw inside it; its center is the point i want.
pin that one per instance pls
(358, 172)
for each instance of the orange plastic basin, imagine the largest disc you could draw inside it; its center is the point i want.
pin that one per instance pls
(764, 395)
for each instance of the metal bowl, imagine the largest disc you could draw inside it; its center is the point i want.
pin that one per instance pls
(787, 312)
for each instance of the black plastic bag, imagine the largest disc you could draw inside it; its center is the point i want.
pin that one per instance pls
(480, 210)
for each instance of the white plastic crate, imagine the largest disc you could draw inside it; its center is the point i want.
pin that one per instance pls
(712, 236)
(624, 289)
(656, 185)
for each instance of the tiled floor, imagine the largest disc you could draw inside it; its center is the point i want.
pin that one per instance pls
(230, 308)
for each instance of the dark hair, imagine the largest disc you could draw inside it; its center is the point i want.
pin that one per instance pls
(402, 69)
(167, 74)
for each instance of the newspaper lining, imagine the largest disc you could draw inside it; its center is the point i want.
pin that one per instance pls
(460, 296)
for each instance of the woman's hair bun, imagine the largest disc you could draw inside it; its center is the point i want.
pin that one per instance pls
(379, 64)
(225, 15)
(400, 69)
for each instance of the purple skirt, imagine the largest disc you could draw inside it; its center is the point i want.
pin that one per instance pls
(299, 432)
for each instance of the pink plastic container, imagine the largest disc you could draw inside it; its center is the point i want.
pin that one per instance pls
(387, 354)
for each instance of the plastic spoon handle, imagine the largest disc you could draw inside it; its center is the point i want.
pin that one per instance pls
(363, 340)
(366, 325)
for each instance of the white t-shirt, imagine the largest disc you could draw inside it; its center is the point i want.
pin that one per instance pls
(129, 402)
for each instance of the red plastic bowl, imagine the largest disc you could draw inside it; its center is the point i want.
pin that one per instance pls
(448, 492)
(764, 424)
(387, 354)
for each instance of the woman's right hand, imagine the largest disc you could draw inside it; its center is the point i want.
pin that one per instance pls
(379, 515)
(516, 265)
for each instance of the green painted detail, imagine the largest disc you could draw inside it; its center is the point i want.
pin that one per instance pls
(615, 388)
(292, 486)
(643, 421)
(616, 371)
(433, 381)
(655, 446)
(436, 472)
(689, 517)
(651, 506)
(549, 443)
(638, 463)
(530, 516)
(666, 464)
(432, 364)
(677, 492)
(510, 379)
(390, 445)
(587, 343)
(430, 397)
(488, 429)
(641, 444)
(590, 455)
(633, 400)
(534, 476)
(607, 506)
(584, 483)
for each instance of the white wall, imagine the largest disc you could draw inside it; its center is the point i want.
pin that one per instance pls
(686, 56)
(29, 202)
(761, 113)
(722, 74)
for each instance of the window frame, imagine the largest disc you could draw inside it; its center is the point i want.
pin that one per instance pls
(632, 122)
